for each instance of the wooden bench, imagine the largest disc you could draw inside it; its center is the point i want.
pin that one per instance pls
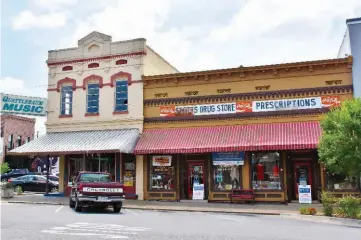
(242, 195)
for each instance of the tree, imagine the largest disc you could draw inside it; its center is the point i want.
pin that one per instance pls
(4, 168)
(340, 144)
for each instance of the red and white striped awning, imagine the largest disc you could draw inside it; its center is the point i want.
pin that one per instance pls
(255, 137)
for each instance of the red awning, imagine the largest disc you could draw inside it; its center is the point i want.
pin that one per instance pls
(255, 137)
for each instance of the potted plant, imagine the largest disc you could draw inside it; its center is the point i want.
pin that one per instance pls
(7, 190)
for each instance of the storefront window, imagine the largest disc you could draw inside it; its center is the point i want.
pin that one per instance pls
(226, 177)
(266, 171)
(341, 182)
(162, 173)
(75, 165)
(101, 163)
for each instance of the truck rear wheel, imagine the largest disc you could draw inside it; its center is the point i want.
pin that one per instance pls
(117, 208)
(71, 203)
(77, 207)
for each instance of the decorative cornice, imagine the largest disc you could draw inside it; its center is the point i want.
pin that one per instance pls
(251, 95)
(242, 72)
(237, 116)
(95, 59)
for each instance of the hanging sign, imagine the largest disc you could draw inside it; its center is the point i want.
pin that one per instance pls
(304, 194)
(162, 161)
(22, 105)
(251, 106)
(228, 158)
(198, 192)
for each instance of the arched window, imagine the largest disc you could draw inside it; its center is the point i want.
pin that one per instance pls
(92, 98)
(121, 62)
(93, 65)
(121, 96)
(66, 103)
(67, 68)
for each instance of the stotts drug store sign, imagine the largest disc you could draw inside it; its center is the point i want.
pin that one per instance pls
(21, 105)
(251, 106)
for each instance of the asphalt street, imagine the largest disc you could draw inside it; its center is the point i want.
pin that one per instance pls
(20, 221)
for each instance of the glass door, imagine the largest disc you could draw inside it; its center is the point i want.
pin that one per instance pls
(195, 176)
(303, 175)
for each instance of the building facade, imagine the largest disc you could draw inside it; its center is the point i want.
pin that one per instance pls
(351, 46)
(16, 131)
(95, 108)
(248, 127)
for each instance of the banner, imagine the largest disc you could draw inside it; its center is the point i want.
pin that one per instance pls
(228, 158)
(198, 192)
(22, 105)
(162, 161)
(251, 106)
(304, 194)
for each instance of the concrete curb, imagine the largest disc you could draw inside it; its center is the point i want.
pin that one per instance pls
(323, 219)
(152, 208)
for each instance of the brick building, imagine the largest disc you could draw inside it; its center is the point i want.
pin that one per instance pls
(15, 131)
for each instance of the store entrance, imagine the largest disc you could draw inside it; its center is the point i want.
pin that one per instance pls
(195, 175)
(302, 175)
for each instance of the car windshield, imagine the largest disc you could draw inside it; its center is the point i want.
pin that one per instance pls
(94, 177)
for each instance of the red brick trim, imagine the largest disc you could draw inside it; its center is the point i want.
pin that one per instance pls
(65, 116)
(63, 81)
(97, 58)
(120, 113)
(92, 77)
(91, 114)
(114, 77)
(101, 85)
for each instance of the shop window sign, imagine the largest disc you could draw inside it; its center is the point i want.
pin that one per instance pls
(228, 158)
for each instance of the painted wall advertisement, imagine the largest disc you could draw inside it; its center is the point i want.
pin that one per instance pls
(198, 192)
(251, 106)
(228, 158)
(22, 105)
(304, 194)
(162, 161)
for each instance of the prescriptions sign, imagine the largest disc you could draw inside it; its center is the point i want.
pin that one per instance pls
(22, 105)
(251, 106)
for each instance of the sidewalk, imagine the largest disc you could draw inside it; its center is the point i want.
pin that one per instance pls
(195, 206)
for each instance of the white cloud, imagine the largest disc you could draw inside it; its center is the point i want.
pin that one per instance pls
(54, 4)
(13, 86)
(27, 19)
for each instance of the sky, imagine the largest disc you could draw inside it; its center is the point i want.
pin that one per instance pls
(191, 35)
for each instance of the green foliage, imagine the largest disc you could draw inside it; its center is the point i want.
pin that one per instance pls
(350, 206)
(4, 167)
(308, 211)
(340, 144)
(327, 203)
(6, 185)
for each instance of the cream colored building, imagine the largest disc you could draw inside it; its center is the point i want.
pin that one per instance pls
(95, 107)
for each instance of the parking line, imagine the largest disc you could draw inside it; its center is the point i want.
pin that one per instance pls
(58, 209)
(136, 214)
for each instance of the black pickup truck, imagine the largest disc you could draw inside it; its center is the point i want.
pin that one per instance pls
(95, 189)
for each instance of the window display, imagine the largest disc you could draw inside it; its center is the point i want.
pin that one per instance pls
(226, 177)
(162, 173)
(341, 182)
(266, 171)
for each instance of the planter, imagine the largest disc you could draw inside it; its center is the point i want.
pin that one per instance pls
(7, 193)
